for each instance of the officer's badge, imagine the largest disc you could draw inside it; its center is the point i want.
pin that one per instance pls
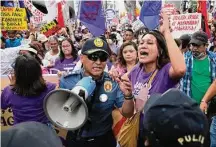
(108, 86)
(98, 42)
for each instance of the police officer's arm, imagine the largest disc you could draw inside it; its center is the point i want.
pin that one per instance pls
(210, 93)
(127, 109)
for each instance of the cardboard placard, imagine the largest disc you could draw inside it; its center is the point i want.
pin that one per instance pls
(185, 24)
(13, 18)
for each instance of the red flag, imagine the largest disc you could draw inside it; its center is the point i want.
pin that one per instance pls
(60, 18)
(202, 8)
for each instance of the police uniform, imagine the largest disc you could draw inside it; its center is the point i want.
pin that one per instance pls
(107, 95)
(97, 132)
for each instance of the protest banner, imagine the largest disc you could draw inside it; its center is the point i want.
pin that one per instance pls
(185, 24)
(13, 18)
(92, 16)
(50, 28)
(136, 25)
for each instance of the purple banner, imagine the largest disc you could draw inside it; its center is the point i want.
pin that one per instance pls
(91, 15)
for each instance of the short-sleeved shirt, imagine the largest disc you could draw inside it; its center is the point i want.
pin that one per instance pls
(101, 112)
(201, 79)
(13, 43)
(26, 108)
(161, 82)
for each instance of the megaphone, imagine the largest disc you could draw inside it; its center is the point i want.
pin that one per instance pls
(67, 109)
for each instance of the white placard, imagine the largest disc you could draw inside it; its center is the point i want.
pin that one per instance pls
(185, 24)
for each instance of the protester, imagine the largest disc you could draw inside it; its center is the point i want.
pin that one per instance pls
(127, 58)
(210, 97)
(2, 42)
(28, 134)
(27, 91)
(185, 39)
(213, 45)
(19, 35)
(174, 120)
(12, 41)
(161, 65)
(197, 80)
(44, 41)
(98, 132)
(129, 34)
(53, 54)
(68, 57)
(32, 50)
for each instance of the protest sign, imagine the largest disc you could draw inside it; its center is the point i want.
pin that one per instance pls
(185, 24)
(50, 28)
(169, 9)
(136, 25)
(39, 17)
(13, 18)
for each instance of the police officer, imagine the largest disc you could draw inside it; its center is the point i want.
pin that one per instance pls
(108, 94)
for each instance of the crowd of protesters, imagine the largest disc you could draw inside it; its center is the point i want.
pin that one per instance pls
(151, 62)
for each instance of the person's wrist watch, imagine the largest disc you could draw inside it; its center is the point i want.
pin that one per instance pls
(129, 97)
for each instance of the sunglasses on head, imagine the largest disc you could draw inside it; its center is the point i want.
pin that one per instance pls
(98, 55)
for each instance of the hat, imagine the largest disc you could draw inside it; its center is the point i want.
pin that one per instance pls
(199, 38)
(173, 119)
(185, 37)
(28, 48)
(30, 134)
(42, 38)
(94, 45)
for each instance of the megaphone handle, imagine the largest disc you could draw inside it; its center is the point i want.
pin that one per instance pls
(82, 94)
(79, 131)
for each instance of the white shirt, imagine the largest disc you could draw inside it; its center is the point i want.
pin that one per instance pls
(49, 58)
(8, 56)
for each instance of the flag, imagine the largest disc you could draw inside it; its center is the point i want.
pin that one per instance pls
(149, 14)
(202, 8)
(60, 18)
(91, 16)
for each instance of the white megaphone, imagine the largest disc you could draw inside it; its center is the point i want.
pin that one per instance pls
(67, 109)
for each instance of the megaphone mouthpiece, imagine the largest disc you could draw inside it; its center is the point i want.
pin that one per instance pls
(71, 104)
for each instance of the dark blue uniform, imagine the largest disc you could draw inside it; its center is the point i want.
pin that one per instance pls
(107, 95)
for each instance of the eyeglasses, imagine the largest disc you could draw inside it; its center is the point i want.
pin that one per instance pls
(95, 56)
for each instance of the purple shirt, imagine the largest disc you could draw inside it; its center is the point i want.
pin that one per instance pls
(66, 64)
(25, 108)
(161, 82)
